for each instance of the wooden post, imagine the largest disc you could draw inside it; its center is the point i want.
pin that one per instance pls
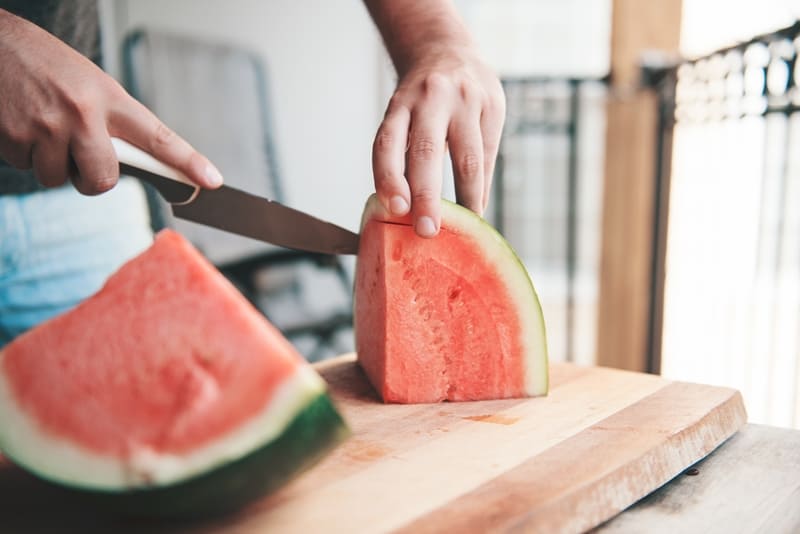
(630, 166)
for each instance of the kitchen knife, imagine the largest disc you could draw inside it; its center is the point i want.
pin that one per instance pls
(233, 210)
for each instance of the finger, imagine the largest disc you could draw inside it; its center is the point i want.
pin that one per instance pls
(388, 161)
(18, 155)
(95, 161)
(492, 119)
(50, 161)
(135, 123)
(424, 157)
(466, 151)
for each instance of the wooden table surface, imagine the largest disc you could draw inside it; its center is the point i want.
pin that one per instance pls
(751, 483)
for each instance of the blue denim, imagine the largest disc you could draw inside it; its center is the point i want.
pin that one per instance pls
(58, 247)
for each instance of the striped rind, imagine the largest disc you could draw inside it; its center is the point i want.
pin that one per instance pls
(60, 460)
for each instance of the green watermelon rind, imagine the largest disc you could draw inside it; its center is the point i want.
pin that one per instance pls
(458, 218)
(68, 462)
(313, 432)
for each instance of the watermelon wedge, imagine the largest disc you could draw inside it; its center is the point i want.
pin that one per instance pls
(166, 392)
(455, 317)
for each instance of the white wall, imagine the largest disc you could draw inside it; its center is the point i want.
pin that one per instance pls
(324, 59)
(542, 37)
(330, 76)
(708, 25)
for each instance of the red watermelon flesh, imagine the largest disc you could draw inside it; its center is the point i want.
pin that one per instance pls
(166, 373)
(450, 318)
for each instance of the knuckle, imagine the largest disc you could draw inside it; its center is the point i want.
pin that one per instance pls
(435, 83)
(469, 92)
(384, 141)
(423, 148)
(162, 136)
(47, 125)
(386, 177)
(423, 195)
(469, 166)
(19, 138)
(396, 103)
(81, 106)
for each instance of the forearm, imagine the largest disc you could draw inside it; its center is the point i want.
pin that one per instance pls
(412, 29)
(7, 19)
(10, 28)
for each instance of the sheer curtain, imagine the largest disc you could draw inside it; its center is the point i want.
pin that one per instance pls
(732, 290)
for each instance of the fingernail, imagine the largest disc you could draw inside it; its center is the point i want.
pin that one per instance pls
(398, 205)
(213, 176)
(425, 227)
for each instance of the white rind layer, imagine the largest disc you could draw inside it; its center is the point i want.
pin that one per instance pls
(513, 273)
(54, 458)
(520, 288)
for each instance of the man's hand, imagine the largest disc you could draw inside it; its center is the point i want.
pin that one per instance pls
(446, 98)
(58, 112)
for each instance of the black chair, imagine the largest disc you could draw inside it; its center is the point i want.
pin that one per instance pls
(217, 97)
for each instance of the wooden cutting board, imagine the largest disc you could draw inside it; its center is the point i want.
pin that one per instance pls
(601, 440)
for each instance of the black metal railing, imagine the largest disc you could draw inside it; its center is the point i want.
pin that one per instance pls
(735, 118)
(547, 197)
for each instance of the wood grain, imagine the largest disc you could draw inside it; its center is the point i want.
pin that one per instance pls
(628, 216)
(638, 27)
(627, 244)
(750, 484)
(601, 440)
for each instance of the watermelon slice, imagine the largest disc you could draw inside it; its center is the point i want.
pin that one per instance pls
(166, 392)
(453, 318)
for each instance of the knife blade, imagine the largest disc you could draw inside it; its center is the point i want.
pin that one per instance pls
(233, 210)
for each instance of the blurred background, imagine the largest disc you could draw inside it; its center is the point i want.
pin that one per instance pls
(649, 174)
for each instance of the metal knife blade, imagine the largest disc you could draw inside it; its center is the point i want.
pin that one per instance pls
(249, 215)
(236, 211)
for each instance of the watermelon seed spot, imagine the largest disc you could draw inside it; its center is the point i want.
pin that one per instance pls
(397, 250)
(454, 293)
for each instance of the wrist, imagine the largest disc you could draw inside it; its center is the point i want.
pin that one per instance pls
(14, 28)
(418, 32)
(436, 52)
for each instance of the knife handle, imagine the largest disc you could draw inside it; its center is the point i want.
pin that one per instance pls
(171, 183)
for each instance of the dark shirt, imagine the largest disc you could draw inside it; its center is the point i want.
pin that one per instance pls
(76, 22)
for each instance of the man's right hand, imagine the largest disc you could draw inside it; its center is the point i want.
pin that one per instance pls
(58, 112)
